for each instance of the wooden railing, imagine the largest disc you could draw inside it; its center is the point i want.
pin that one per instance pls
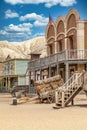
(66, 93)
(76, 78)
(58, 57)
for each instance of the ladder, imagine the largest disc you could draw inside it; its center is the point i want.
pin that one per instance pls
(66, 93)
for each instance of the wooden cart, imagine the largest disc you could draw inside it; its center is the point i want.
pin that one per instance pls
(49, 96)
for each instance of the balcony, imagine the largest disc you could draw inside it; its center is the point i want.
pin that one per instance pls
(60, 57)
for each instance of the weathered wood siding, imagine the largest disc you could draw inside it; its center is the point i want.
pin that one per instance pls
(21, 66)
(22, 80)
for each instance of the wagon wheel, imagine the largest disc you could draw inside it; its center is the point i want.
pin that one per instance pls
(41, 100)
(51, 99)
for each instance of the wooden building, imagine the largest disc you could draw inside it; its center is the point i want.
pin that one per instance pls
(1, 70)
(13, 72)
(66, 47)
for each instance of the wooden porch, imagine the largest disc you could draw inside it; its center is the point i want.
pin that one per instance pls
(65, 58)
(60, 57)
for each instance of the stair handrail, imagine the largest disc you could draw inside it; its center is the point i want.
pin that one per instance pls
(74, 78)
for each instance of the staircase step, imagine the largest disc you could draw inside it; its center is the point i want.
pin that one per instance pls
(56, 107)
(71, 88)
(59, 104)
(69, 93)
(65, 98)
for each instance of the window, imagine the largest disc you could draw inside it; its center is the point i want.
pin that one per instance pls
(60, 45)
(51, 49)
(71, 42)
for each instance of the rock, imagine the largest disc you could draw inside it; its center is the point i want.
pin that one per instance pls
(22, 49)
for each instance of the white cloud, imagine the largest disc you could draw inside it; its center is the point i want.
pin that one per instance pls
(39, 20)
(19, 32)
(10, 14)
(25, 27)
(32, 16)
(40, 23)
(48, 3)
(2, 32)
(67, 2)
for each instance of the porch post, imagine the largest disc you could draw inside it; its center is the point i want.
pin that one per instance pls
(57, 68)
(72, 102)
(6, 84)
(34, 75)
(9, 83)
(40, 74)
(67, 72)
(49, 71)
(63, 105)
(29, 80)
(86, 66)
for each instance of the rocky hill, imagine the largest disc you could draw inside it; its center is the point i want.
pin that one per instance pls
(23, 49)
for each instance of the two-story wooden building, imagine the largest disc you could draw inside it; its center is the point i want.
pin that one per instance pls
(14, 72)
(66, 47)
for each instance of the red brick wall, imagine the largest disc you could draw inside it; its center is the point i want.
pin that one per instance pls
(71, 21)
(51, 42)
(60, 27)
(35, 56)
(60, 37)
(51, 31)
(73, 34)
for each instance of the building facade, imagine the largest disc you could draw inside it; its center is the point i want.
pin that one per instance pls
(14, 73)
(66, 47)
(67, 36)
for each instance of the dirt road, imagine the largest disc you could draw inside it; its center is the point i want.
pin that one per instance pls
(42, 116)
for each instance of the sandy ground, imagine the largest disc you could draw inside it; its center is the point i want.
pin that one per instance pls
(42, 116)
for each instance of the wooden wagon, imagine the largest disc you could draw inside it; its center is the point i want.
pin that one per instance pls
(46, 88)
(49, 96)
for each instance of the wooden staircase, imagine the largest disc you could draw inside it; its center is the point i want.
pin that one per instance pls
(65, 94)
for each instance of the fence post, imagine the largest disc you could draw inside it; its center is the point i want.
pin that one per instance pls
(63, 105)
(56, 97)
(29, 80)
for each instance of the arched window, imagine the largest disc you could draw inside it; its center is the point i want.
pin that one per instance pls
(71, 42)
(71, 21)
(60, 45)
(51, 49)
(51, 31)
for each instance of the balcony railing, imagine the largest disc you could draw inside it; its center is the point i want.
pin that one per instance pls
(58, 57)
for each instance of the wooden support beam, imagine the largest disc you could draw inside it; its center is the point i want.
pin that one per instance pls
(56, 97)
(40, 74)
(63, 105)
(34, 75)
(57, 68)
(49, 71)
(29, 80)
(72, 102)
(67, 71)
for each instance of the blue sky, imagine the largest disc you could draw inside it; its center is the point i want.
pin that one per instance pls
(21, 20)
